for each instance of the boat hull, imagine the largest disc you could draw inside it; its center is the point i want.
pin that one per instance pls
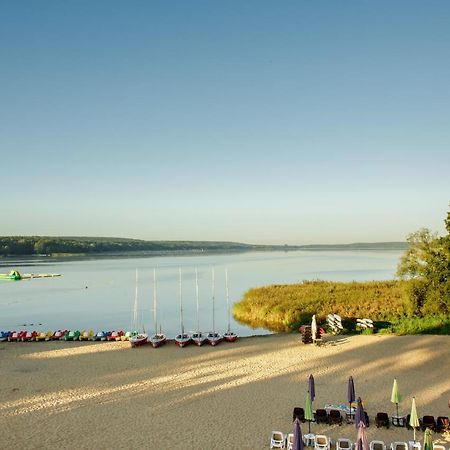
(139, 340)
(157, 341)
(230, 337)
(182, 340)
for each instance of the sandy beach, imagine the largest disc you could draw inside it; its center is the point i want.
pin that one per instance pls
(109, 396)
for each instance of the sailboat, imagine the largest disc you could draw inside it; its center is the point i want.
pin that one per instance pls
(137, 338)
(182, 339)
(157, 339)
(213, 337)
(229, 336)
(198, 338)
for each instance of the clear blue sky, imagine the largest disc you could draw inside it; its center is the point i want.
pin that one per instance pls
(254, 121)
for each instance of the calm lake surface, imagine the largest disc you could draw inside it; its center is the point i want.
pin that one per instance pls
(99, 293)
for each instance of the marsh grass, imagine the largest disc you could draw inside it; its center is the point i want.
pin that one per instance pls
(286, 307)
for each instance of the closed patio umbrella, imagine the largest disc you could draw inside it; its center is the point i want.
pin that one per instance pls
(311, 387)
(298, 441)
(359, 414)
(350, 393)
(427, 440)
(362, 442)
(308, 411)
(395, 396)
(413, 418)
(314, 328)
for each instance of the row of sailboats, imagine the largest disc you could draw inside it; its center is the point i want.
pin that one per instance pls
(183, 338)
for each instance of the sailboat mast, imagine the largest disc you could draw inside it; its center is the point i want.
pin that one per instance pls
(196, 294)
(135, 311)
(154, 301)
(228, 298)
(213, 292)
(181, 304)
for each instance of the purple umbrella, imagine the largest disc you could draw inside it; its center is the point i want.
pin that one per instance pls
(298, 441)
(350, 393)
(359, 414)
(311, 388)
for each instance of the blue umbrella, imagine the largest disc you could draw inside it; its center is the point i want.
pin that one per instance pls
(350, 393)
(359, 414)
(311, 388)
(298, 441)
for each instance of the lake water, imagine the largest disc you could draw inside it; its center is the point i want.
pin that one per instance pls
(99, 293)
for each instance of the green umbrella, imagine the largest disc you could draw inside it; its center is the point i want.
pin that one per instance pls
(413, 418)
(308, 411)
(395, 396)
(427, 440)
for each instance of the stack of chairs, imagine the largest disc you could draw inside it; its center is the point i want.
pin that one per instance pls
(306, 335)
(335, 417)
(428, 422)
(377, 445)
(344, 444)
(442, 424)
(277, 440)
(322, 442)
(321, 416)
(298, 413)
(382, 420)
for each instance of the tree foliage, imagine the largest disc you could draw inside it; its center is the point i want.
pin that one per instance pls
(426, 263)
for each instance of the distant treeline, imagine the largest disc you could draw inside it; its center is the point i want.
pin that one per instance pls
(40, 245)
(47, 245)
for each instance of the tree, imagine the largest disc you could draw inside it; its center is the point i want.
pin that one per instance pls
(426, 263)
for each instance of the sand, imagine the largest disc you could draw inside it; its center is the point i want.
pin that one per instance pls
(109, 396)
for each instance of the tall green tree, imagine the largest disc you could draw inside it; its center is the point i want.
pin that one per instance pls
(426, 263)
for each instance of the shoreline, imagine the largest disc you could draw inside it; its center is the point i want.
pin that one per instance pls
(107, 395)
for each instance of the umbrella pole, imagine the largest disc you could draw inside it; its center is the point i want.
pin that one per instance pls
(397, 409)
(309, 426)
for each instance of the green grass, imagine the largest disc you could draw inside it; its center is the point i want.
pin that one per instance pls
(286, 307)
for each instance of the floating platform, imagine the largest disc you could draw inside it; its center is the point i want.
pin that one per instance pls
(14, 275)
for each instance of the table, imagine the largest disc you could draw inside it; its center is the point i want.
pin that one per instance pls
(308, 439)
(414, 445)
(398, 421)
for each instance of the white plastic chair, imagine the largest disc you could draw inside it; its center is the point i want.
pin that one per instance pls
(344, 444)
(290, 441)
(321, 442)
(399, 446)
(277, 440)
(377, 445)
(438, 447)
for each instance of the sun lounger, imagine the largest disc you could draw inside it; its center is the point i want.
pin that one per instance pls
(399, 446)
(382, 420)
(277, 440)
(335, 416)
(298, 413)
(377, 445)
(290, 441)
(428, 422)
(344, 444)
(322, 442)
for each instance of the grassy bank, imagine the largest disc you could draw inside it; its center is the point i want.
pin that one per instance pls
(285, 307)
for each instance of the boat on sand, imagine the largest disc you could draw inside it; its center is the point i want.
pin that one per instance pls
(182, 339)
(157, 339)
(137, 339)
(213, 337)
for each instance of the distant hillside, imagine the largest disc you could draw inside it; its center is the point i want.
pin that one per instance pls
(72, 245)
(358, 246)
